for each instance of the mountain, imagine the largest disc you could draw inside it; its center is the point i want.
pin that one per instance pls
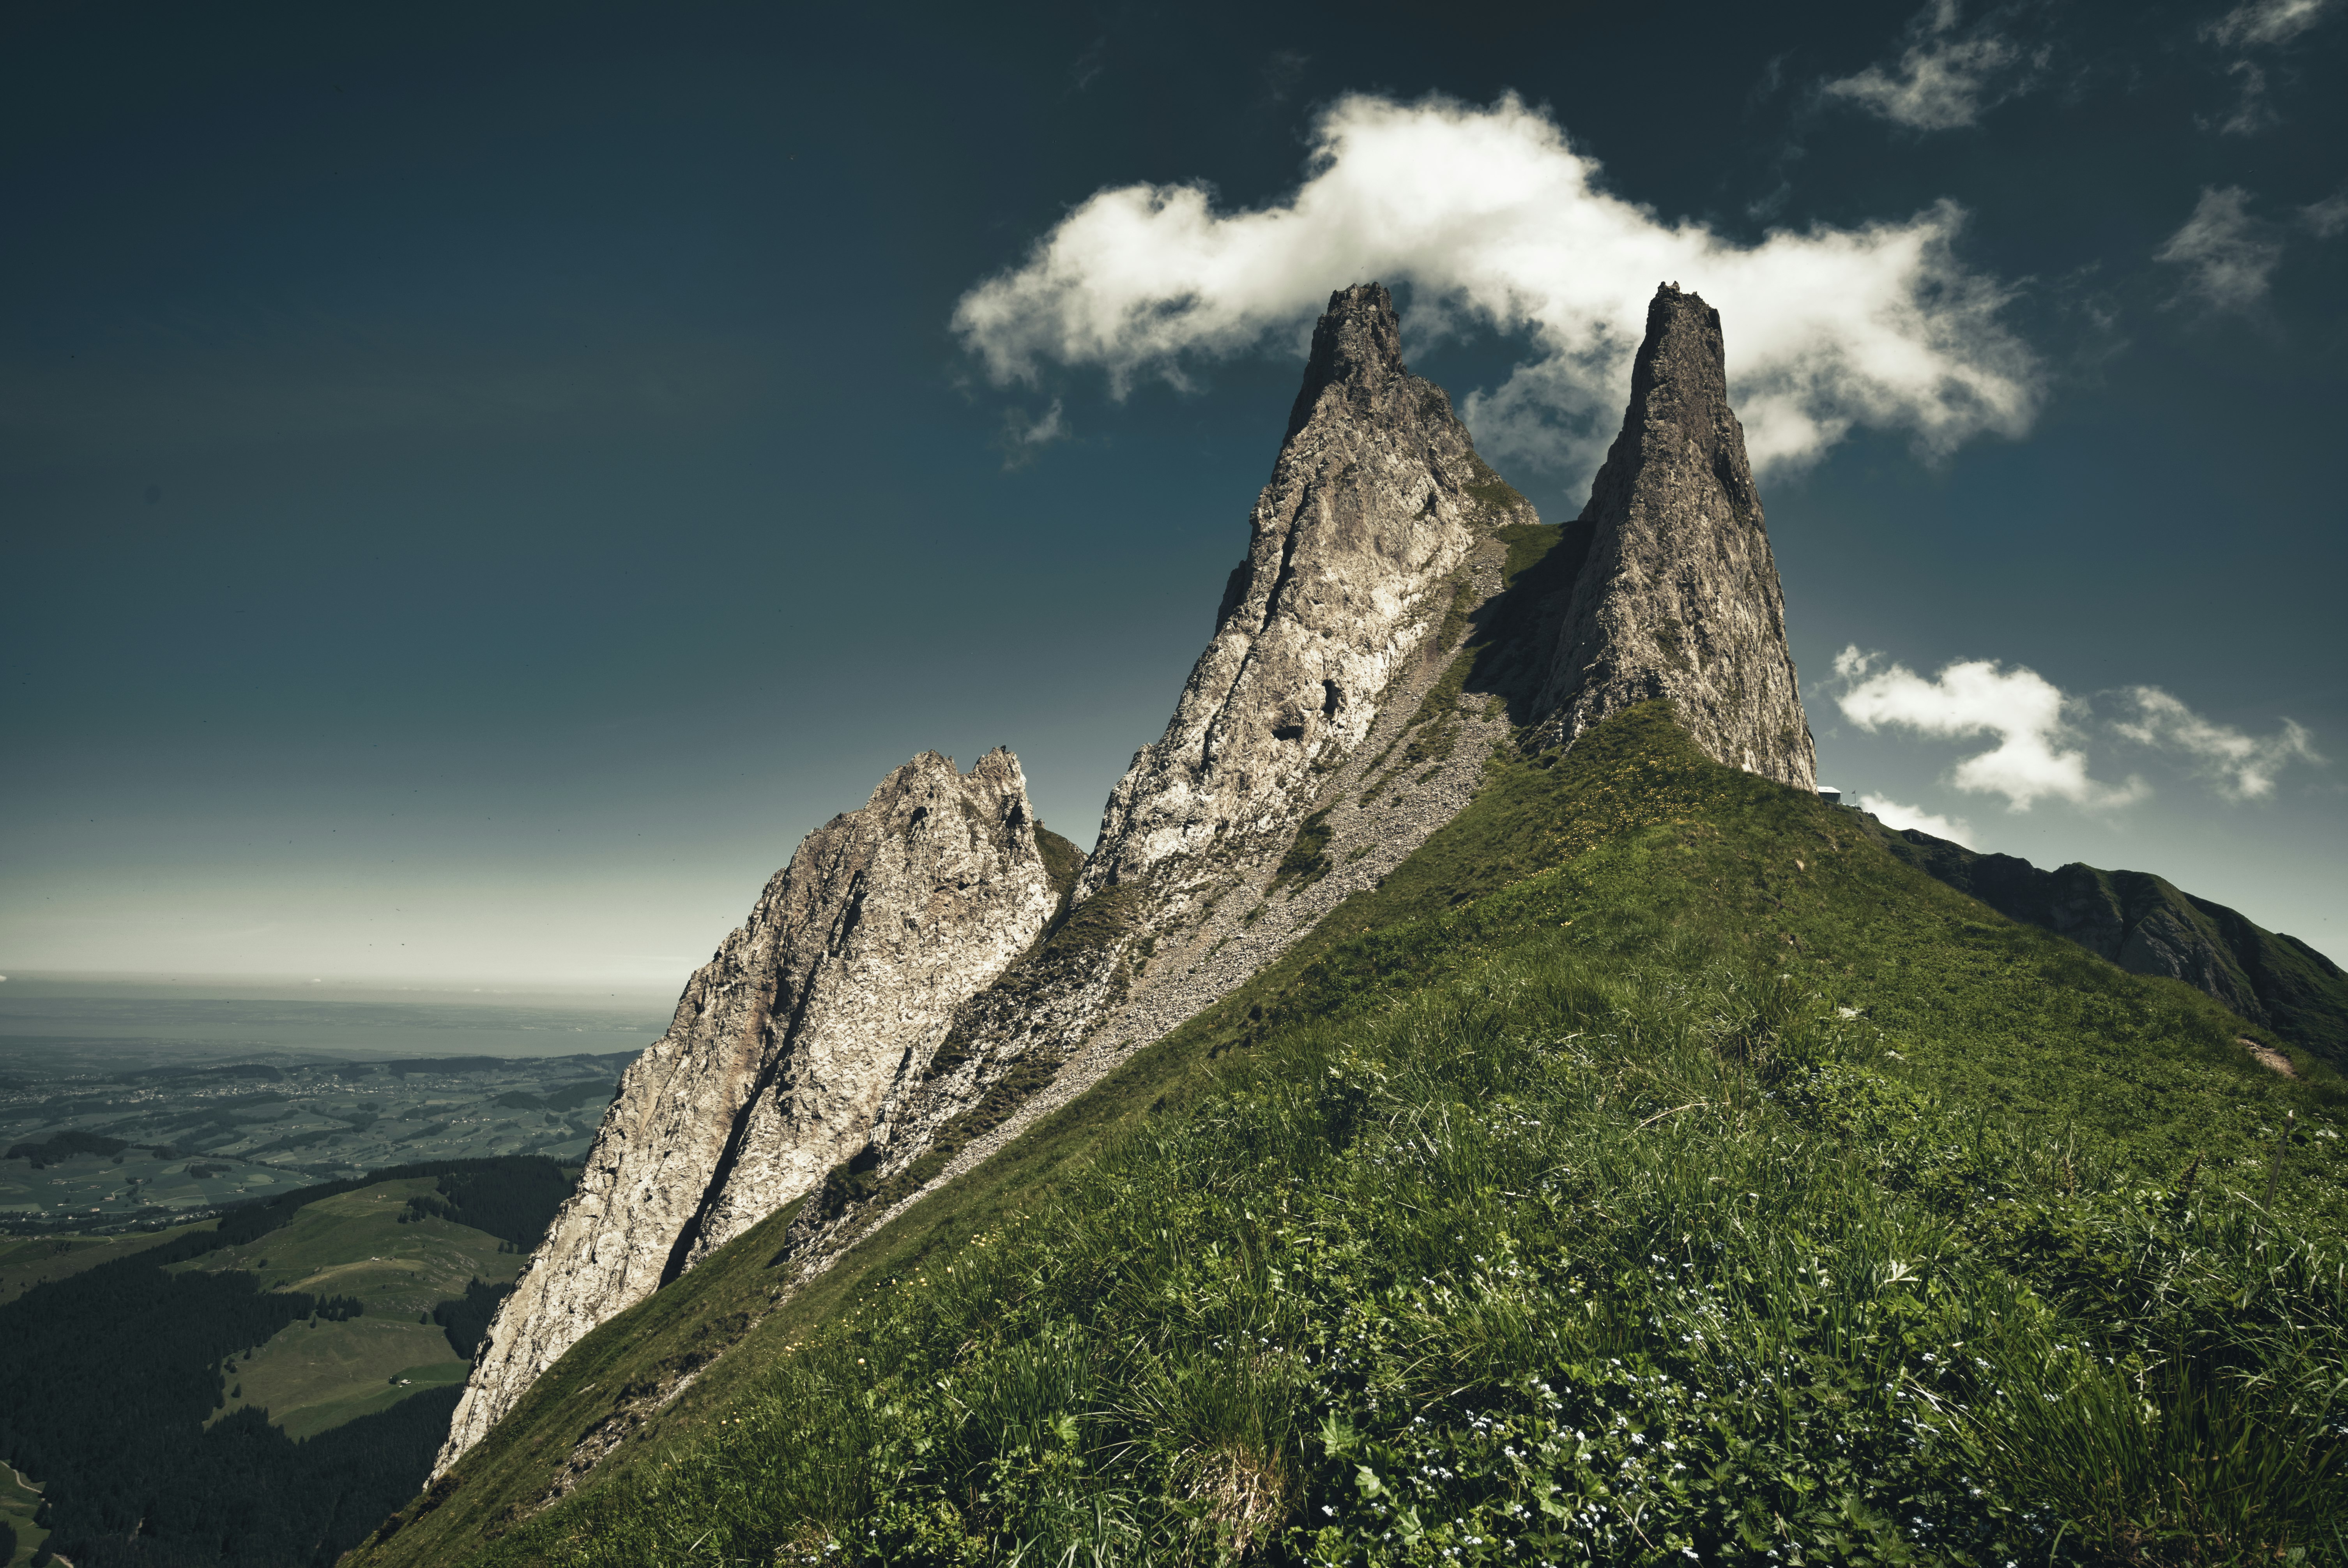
(2146, 926)
(866, 1026)
(1470, 1033)
(1650, 1102)
(1334, 720)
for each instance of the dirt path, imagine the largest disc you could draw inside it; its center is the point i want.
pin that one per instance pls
(2273, 1060)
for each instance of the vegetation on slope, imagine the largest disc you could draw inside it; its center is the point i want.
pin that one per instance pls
(1063, 862)
(1654, 1169)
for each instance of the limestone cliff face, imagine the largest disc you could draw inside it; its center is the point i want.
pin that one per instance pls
(781, 1049)
(1677, 594)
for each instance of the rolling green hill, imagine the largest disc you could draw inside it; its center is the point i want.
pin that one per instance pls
(359, 1246)
(25, 1263)
(1654, 1168)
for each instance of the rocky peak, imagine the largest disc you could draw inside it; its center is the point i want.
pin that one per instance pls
(780, 1051)
(1677, 594)
(1376, 499)
(1376, 533)
(1356, 353)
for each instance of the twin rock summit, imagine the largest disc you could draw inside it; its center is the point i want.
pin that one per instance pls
(932, 971)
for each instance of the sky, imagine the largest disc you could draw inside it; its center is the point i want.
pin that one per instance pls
(479, 484)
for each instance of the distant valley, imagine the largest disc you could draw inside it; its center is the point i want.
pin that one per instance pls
(100, 1136)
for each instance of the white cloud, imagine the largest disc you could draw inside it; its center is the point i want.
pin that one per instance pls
(1893, 815)
(1493, 218)
(2244, 765)
(1942, 81)
(2036, 754)
(2266, 21)
(2227, 255)
(2252, 114)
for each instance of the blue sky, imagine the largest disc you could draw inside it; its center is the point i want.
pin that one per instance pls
(482, 483)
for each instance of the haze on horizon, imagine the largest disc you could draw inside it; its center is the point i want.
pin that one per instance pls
(485, 487)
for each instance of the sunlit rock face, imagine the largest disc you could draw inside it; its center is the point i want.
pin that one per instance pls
(1677, 594)
(1376, 498)
(1357, 548)
(781, 1049)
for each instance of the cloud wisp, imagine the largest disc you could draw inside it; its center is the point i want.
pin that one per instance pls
(2040, 748)
(2244, 766)
(1492, 219)
(1895, 815)
(2227, 256)
(2325, 219)
(1023, 437)
(2258, 23)
(2266, 22)
(2037, 755)
(1945, 79)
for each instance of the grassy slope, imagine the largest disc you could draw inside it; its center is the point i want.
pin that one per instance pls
(1062, 860)
(311, 1375)
(2304, 993)
(1990, 1109)
(354, 1243)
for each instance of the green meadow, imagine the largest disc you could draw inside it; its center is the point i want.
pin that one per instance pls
(318, 1372)
(364, 1244)
(1652, 1170)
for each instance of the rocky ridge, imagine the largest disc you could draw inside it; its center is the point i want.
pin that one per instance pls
(1664, 587)
(1677, 593)
(1367, 660)
(781, 1048)
(1375, 814)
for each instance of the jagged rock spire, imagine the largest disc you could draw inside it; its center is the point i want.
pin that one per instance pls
(1678, 596)
(782, 1047)
(1376, 497)
(1356, 349)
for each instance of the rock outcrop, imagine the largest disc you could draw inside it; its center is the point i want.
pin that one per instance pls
(2147, 926)
(1677, 593)
(782, 1050)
